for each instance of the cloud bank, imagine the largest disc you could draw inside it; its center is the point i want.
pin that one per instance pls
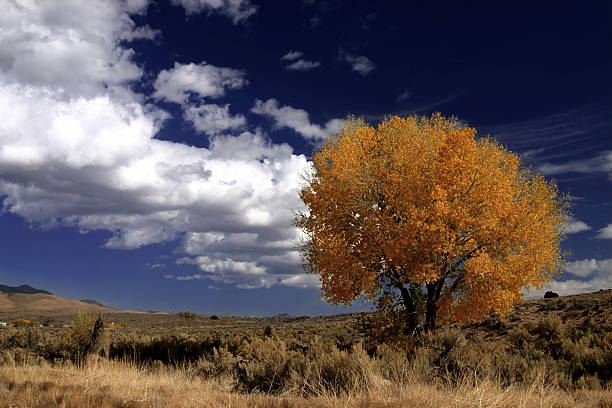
(582, 276)
(78, 147)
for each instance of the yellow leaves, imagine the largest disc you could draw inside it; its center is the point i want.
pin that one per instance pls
(417, 198)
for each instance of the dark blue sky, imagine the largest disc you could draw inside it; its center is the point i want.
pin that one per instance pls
(150, 152)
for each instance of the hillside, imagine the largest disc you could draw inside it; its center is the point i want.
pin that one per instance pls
(41, 303)
(27, 289)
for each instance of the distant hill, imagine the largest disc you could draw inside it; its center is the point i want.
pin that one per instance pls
(43, 302)
(92, 302)
(27, 289)
(283, 316)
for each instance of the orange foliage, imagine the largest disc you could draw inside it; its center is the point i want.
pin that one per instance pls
(423, 201)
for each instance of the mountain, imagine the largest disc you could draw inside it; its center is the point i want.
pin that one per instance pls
(27, 289)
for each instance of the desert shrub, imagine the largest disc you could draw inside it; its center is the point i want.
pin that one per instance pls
(187, 315)
(336, 372)
(589, 358)
(263, 365)
(171, 350)
(214, 317)
(221, 363)
(84, 336)
(550, 333)
(21, 322)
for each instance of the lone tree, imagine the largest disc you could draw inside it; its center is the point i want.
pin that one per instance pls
(421, 207)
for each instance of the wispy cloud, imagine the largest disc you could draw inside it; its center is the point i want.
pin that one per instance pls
(602, 163)
(303, 65)
(404, 96)
(296, 119)
(554, 142)
(292, 55)
(298, 63)
(360, 64)
(237, 10)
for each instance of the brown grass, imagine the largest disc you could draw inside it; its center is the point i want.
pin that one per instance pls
(106, 383)
(547, 353)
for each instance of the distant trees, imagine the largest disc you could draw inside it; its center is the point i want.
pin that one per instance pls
(419, 207)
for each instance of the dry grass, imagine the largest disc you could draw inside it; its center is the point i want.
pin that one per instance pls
(547, 353)
(104, 383)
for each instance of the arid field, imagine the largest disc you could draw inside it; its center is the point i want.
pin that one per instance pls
(546, 353)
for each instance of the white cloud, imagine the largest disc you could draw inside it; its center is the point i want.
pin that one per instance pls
(587, 275)
(296, 119)
(587, 267)
(203, 80)
(574, 226)
(298, 63)
(302, 281)
(292, 56)
(361, 64)
(303, 65)
(605, 233)
(213, 119)
(601, 163)
(78, 148)
(68, 47)
(156, 266)
(237, 10)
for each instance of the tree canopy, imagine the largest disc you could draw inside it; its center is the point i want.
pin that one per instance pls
(421, 203)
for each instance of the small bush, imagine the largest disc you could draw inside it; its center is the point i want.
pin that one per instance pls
(21, 322)
(187, 315)
(84, 336)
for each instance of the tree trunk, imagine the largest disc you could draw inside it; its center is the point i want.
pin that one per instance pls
(411, 318)
(430, 318)
(434, 291)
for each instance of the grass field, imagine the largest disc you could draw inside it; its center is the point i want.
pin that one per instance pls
(547, 353)
(112, 384)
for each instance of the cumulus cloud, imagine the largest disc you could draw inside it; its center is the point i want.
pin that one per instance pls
(360, 64)
(237, 10)
(296, 119)
(583, 276)
(203, 80)
(213, 119)
(58, 45)
(574, 226)
(78, 148)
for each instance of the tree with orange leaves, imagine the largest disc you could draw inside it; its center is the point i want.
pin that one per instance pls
(422, 205)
